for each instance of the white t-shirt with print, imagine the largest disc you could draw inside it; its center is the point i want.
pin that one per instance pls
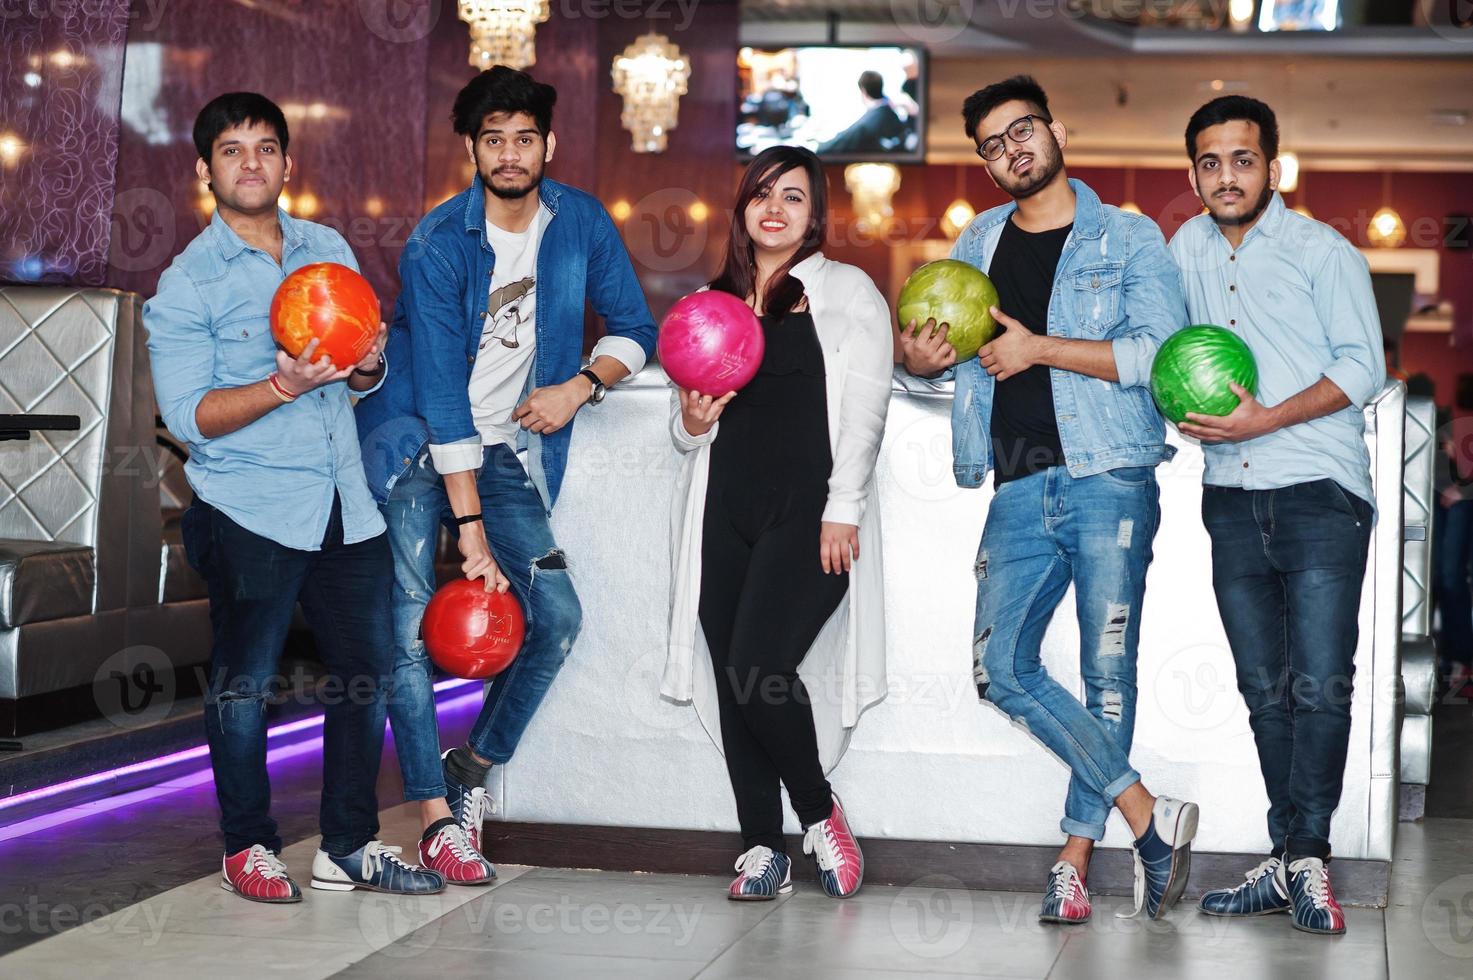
(501, 369)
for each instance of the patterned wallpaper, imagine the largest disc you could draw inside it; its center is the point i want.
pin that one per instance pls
(61, 77)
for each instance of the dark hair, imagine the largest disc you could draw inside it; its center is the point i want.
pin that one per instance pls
(872, 83)
(1230, 107)
(502, 89)
(1019, 88)
(738, 274)
(236, 109)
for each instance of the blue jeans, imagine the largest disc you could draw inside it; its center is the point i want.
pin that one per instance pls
(254, 586)
(1454, 550)
(1287, 566)
(1042, 532)
(521, 541)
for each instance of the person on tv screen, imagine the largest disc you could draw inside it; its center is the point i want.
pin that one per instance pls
(878, 130)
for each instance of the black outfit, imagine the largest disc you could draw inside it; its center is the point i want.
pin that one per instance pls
(879, 129)
(764, 595)
(1025, 432)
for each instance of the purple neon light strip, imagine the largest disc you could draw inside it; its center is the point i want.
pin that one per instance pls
(174, 758)
(79, 811)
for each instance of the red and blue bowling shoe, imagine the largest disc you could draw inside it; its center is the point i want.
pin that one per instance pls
(832, 844)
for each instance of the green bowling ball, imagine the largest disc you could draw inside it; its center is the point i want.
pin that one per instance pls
(955, 293)
(1192, 370)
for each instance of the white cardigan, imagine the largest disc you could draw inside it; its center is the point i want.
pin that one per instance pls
(844, 670)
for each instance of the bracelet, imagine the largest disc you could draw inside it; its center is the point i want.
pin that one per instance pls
(278, 390)
(467, 519)
(375, 372)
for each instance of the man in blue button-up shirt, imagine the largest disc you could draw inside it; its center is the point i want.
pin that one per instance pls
(1287, 500)
(281, 511)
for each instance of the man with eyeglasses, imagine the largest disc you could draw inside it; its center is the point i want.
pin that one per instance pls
(1058, 407)
(487, 342)
(1287, 495)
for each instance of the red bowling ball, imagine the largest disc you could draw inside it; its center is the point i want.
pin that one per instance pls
(470, 632)
(330, 302)
(711, 343)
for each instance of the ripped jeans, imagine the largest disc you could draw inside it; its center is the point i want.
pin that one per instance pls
(521, 541)
(255, 584)
(1044, 531)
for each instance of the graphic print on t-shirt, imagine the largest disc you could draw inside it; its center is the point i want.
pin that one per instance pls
(507, 347)
(505, 307)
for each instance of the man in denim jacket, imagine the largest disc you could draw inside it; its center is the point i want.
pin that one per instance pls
(1058, 408)
(487, 342)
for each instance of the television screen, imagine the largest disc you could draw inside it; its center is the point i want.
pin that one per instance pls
(846, 103)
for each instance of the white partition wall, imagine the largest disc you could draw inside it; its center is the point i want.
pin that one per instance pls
(930, 762)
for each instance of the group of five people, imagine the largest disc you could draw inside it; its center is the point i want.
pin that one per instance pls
(463, 419)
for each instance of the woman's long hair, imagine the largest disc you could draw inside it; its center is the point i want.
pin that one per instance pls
(738, 274)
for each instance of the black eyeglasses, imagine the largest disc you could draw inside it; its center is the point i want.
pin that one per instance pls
(1019, 131)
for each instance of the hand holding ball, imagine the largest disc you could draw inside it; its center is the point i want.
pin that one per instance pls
(332, 303)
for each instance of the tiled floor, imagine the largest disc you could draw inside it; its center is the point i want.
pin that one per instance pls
(560, 923)
(132, 891)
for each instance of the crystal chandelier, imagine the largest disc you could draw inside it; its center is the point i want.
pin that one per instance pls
(871, 186)
(503, 32)
(651, 74)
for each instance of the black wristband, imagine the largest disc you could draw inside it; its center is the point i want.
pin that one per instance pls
(467, 519)
(375, 372)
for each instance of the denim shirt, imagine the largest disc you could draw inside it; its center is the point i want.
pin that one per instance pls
(1299, 294)
(1115, 281)
(445, 275)
(209, 327)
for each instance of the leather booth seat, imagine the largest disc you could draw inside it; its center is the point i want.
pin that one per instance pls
(88, 582)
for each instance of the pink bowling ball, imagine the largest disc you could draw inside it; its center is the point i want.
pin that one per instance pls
(710, 342)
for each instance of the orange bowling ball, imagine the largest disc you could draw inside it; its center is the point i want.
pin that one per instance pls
(330, 302)
(470, 632)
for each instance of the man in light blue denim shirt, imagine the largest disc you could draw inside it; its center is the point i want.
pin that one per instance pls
(1057, 407)
(281, 510)
(1287, 500)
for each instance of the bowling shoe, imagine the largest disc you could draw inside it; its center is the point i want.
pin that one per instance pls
(764, 874)
(1163, 856)
(258, 874)
(468, 804)
(1065, 899)
(374, 867)
(1263, 893)
(1315, 908)
(447, 850)
(840, 862)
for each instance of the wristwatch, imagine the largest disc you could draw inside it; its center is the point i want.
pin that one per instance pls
(598, 386)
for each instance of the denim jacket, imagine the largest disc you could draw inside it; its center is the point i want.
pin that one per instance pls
(1115, 281)
(445, 276)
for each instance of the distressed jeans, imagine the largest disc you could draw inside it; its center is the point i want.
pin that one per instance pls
(1044, 531)
(254, 585)
(521, 541)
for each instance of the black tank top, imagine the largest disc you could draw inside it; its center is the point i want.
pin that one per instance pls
(773, 437)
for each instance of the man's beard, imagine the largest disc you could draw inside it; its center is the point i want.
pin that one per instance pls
(513, 193)
(1248, 217)
(1046, 166)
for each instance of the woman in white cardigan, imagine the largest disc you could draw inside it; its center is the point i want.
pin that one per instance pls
(776, 532)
